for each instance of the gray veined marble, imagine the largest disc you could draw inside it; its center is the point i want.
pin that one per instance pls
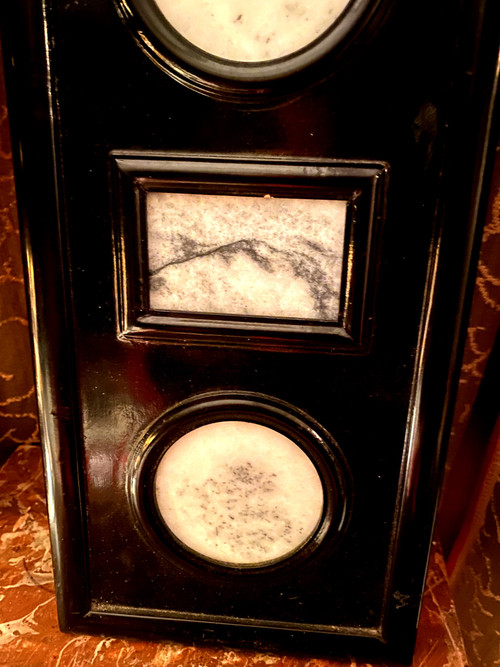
(238, 255)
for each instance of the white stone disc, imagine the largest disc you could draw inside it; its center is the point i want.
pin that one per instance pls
(239, 493)
(256, 31)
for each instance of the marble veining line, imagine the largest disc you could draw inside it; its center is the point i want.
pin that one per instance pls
(103, 644)
(26, 625)
(438, 611)
(78, 641)
(29, 580)
(246, 255)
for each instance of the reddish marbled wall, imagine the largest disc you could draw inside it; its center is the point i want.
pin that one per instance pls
(18, 413)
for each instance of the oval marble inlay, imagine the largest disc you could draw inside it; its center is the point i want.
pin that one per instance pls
(239, 493)
(256, 31)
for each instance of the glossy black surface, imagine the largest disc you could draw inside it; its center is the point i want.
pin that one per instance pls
(415, 95)
(363, 186)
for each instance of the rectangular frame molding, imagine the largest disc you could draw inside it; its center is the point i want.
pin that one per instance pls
(361, 184)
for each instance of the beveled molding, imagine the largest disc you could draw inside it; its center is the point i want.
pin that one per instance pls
(361, 184)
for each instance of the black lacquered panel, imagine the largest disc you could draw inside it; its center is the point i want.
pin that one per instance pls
(120, 132)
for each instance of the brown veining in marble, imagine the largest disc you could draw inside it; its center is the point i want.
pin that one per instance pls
(29, 636)
(18, 415)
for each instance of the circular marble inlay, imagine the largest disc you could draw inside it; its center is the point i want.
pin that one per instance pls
(239, 493)
(256, 31)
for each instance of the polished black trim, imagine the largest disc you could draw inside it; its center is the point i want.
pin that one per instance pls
(362, 184)
(33, 120)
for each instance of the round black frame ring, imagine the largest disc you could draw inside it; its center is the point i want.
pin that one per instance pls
(224, 78)
(218, 406)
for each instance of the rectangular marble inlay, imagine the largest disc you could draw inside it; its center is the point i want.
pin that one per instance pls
(245, 255)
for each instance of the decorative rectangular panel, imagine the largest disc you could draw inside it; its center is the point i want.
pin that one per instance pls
(257, 256)
(211, 247)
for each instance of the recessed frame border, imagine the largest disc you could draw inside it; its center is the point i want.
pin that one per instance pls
(362, 184)
(201, 409)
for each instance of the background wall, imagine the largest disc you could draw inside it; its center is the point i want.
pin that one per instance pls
(18, 414)
(469, 515)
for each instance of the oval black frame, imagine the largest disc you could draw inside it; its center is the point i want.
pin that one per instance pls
(239, 81)
(261, 409)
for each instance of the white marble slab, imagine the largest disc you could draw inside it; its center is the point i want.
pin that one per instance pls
(254, 31)
(239, 493)
(239, 255)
